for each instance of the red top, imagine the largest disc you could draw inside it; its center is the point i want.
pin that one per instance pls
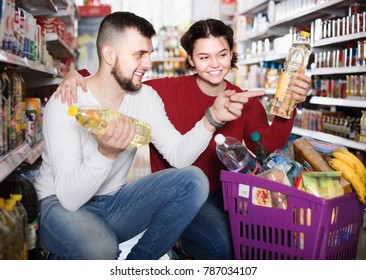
(183, 97)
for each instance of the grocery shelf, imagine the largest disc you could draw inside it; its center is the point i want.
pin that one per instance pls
(34, 73)
(260, 6)
(268, 57)
(14, 158)
(38, 7)
(338, 70)
(338, 102)
(57, 47)
(10, 58)
(329, 138)
(268, 33)
(310, 13)
(35, 152)
(339, 39)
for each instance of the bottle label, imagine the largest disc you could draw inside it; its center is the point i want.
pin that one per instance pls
(283, 84)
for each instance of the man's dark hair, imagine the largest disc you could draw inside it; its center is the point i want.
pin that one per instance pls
(205, 29)
(116, 23)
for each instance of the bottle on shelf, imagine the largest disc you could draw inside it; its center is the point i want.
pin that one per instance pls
(20, 188)
(23, 218)
(235, 156)
(95, 119)
(16, 249)
(260, 151)
(363, 127)
(296, 61)
(5, 233)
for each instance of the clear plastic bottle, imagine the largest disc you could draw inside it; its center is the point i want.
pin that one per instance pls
(260, 151)
(235, 156)
(297, 59)
(95, 119)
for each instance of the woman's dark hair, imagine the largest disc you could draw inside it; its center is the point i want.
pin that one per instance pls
(205, 29)
(116, 23)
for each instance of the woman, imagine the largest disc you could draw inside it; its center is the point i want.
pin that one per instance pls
(209, 46)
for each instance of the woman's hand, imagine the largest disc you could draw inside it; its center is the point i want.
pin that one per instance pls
(300, 86)
(229, 104)
(67, 88)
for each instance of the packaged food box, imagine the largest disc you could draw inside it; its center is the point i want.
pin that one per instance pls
(312, 160)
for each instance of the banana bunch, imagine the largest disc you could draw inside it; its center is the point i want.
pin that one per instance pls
(352, 169)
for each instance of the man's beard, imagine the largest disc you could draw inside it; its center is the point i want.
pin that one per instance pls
(124, 82)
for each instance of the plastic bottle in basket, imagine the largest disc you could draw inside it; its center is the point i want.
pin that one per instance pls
(297, 59)
(235, 156)
(260, 151)
(95, 119)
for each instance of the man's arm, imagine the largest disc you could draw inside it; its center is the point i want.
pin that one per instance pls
(77, 177)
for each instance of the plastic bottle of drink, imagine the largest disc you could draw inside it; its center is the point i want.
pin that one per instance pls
(297, 59)
(260, 151)
(235, 156)
(95, 119)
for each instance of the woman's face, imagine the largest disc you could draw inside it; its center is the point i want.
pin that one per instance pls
(211, 58)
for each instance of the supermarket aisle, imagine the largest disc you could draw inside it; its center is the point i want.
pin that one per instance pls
(362, 245)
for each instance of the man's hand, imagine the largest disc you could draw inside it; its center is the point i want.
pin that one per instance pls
(117, 138)
(67, 88)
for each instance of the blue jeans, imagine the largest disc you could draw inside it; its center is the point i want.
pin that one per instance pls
(163, 203)
(208, 236)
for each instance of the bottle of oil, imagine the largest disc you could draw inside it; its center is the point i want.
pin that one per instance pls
(297, 59)
(95, 119)
(5, 232)
(23, 218)
(15, 250)
(20, 188)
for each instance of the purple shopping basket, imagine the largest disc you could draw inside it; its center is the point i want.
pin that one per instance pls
(310, 228)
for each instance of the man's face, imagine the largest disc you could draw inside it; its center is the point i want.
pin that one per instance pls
(132, 60)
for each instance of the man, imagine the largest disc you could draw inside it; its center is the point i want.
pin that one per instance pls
(87, 208)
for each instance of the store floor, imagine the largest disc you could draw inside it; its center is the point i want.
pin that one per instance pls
(361, 255)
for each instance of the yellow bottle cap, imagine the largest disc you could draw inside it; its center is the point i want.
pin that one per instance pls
(73, 110)
(16, 197)
(305, 34)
